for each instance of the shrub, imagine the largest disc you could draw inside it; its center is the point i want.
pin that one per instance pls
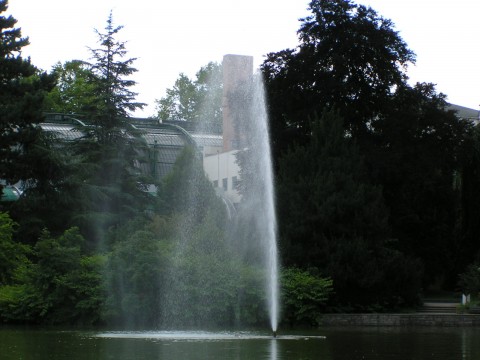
(304, 296)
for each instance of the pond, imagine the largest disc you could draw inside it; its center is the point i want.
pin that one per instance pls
(323, 344)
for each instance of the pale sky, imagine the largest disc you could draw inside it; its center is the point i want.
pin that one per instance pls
(170, 36)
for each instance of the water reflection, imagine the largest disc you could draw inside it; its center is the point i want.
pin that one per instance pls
(273, 350)
(339, 344)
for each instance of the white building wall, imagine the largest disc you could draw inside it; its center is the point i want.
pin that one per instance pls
(223, 171)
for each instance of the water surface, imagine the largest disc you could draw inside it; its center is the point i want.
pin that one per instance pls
(325, 344)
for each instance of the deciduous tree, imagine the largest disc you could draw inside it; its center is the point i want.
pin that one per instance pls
(348, 57)
(198, 100)
(73, 93)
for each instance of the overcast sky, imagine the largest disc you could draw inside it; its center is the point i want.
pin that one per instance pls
(171, 36)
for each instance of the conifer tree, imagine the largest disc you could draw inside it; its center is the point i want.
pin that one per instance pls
(113, 189)
(115, 99)
(22, 89)
(334, 219)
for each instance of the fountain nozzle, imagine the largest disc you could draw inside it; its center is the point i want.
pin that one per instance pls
(274, 333)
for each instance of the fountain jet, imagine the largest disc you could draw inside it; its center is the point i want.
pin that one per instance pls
(245, 126)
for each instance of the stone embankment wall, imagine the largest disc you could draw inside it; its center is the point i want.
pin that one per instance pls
(400, 320)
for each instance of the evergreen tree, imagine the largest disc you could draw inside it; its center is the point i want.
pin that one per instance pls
(333, 219)
(352, 59)
(324, 192)
(419, 146)
(113, 189)
(48, 200)
(467, 184)
(22, 90)
(112, 87)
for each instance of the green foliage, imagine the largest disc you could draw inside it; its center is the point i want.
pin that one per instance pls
(419, 148)
(469, 281)
(48, 191)
(467, 183)
(372, 278)
(114, 99)
(327, 205)
(208, 282)
(108, 187)
(22, 90)
(12, 254)
(177, 274)
(324, 195)
(198, 100)
(304, 296)
(186, 190)
(200, 280)
(134, 272)
(178, 104)
(68, 282)
(74, 91)
(62, 285)
(209, 286)
(349, 58)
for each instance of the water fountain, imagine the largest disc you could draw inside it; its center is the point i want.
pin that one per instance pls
(206, 264)
(245, 128)
(215, 271)
(252, 232)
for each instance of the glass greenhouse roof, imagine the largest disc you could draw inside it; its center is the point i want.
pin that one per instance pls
(165, 141)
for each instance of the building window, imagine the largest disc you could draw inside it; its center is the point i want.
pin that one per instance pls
(234, 182)
(215, 183)
(225, 184)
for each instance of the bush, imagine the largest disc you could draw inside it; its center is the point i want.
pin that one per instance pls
(469, 281)
(61, 285)
(304, 296)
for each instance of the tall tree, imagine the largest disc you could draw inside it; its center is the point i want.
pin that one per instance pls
(352, 59)
(74, 91)
(324, 192)
(112, 85)
(22, 90)
(468, 182)
(198, 100)
(112, 186)
(348, 57)
(419, 146)
(332, 218)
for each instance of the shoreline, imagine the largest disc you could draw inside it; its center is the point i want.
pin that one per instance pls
(409, 319)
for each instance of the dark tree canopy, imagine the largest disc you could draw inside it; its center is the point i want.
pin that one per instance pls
(468, 182)
(351, 59)
(332, 218)
(348, 57)
(325, 195)
(22, 90)
(419, 147)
